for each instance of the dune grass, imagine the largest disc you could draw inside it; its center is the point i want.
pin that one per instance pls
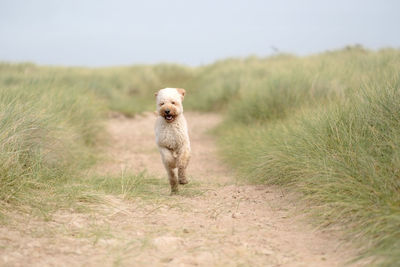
(47, 134)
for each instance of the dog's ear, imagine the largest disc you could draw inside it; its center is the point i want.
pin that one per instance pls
(182, 92)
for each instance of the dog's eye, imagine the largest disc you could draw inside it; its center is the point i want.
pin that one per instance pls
(173, 102)
(161, 104)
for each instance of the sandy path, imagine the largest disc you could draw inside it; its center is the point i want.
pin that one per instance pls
(228, 224)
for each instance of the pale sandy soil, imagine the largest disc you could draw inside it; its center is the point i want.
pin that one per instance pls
(226, 224)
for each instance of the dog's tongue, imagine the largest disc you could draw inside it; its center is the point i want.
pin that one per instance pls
(168, 117)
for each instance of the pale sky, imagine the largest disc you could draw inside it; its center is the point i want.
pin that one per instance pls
(119, 32)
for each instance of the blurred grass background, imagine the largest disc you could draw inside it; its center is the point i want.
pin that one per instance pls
(326, 125)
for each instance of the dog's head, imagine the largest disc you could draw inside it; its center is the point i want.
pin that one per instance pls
(169, 103)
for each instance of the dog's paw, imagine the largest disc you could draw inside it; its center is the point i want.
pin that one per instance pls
(183, 181)
(174, 190)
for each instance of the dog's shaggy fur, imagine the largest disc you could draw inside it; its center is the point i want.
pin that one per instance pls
(172, 136)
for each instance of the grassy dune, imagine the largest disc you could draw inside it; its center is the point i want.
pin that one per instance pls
(329, 127)
(47, 133)
(326, 125)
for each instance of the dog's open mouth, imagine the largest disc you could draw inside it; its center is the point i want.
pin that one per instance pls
(168, 117)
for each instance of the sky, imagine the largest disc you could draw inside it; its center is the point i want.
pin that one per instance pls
(119, 32)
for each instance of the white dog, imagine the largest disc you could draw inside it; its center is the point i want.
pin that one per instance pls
(172, 136)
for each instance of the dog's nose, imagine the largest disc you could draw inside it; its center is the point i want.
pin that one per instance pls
(167, 111)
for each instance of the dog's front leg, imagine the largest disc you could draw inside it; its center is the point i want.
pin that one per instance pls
(170, 164)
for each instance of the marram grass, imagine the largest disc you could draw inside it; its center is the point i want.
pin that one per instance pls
(46, 135)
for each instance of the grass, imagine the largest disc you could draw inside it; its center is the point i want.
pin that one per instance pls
(46, 134)
(130, 186)
(325, 125)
